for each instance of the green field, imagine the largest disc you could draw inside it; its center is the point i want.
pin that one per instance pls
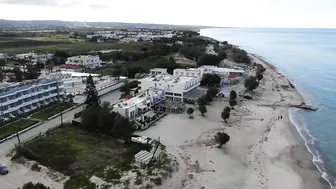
(76, 47)
(51, 110)
(15, 127)
(79, 154)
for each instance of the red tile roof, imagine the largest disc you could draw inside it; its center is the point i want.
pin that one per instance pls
(232, 76)
(71, 66)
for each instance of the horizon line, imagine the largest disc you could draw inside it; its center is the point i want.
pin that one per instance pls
(202, 26)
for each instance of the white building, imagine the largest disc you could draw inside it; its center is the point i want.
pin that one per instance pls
(23, 97)
(35, 57)
(222, 72)
(2, 56)
(157, 71)
(83, 62)
(175, 87)
(140, 104)
(191, 72)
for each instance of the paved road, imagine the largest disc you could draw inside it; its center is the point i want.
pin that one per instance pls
(8, 145)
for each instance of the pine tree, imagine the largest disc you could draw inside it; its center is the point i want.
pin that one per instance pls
(92, 98)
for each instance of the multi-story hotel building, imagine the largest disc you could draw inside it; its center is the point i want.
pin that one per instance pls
(175, 87)
(77, 62)
(140, 104)
(22, 97)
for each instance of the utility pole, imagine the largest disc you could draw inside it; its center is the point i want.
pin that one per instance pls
(58, 96)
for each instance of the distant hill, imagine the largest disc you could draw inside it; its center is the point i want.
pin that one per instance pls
(56, 24)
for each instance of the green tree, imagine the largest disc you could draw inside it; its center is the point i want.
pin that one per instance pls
(91, 118)
(209, 59)
(18, 74)
(210, 80)
(208, 97)
(2, 63)
(227, 109)
(250, 83)
(222, 138)
(233, 95)
(31, 185)
(222, 55)
(92, 98)
(2, 76)
(232, 103)
(106, 119)
(33, 71)
(202, 109)
(213, 92)
(202, 101)
(259, 75)
(50, 65)
(190, 111)
(123, 128)
(226, 113)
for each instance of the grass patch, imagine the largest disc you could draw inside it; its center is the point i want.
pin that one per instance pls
(57, 38)
(52, 110)
(80, 155)
(15, 127)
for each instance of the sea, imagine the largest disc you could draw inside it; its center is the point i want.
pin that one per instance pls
(308, 58)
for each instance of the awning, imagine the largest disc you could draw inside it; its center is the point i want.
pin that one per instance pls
(143, 157)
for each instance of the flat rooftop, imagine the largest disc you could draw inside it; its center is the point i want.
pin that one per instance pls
(82, 56)
(137, 99)
(168, 78)
(228, 70)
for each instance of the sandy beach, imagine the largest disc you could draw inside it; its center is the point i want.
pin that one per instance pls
(265, 150)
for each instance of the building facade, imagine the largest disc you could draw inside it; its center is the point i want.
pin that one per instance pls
(83, 62)
(175, 87)
(140, 104)
(222, 72)
(23, 97)
(157, 71)
(2, 56)
(35, 57)
(191, 72)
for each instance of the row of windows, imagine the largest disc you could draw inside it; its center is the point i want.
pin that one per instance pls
(189, 74)
(173, 94)
(33, 96)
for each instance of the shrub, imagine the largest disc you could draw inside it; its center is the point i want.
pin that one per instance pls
(157, 181)
(31, 185)
(27, 153)
(138, 181)
(79, 182)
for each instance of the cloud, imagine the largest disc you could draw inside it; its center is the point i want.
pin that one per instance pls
(98, 6)
(48, 3)
(31, 2)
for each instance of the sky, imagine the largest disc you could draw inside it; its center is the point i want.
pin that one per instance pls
(220, 13)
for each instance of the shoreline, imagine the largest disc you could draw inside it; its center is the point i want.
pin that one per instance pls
(293, 126)
(265, 150)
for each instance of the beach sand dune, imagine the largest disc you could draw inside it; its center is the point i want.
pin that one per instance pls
(264, 152)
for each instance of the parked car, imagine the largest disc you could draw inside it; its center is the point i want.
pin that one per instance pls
(3, 169)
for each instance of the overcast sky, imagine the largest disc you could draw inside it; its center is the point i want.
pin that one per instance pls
(225, 13)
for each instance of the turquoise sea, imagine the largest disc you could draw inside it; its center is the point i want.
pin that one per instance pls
(308, 58)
